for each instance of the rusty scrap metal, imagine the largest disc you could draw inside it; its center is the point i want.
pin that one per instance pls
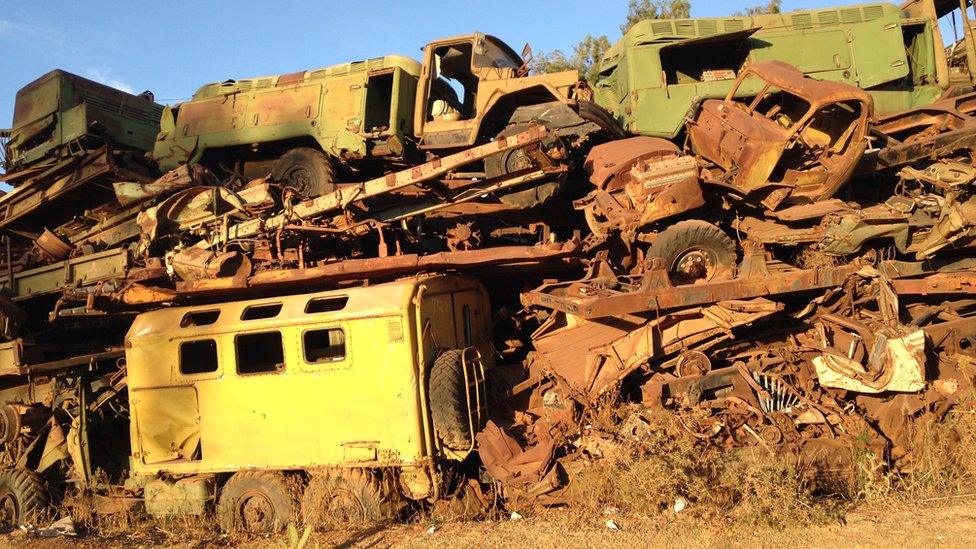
(599, 297)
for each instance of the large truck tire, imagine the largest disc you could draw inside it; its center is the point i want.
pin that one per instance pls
(448, 400)
(23, 498)
(350, 497)
(257, 502)
(306, 170)
(694, 251)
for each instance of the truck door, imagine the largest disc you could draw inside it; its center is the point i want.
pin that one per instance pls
(446, 115)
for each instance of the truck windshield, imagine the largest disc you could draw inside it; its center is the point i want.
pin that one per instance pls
(489, 55)
(772, 102)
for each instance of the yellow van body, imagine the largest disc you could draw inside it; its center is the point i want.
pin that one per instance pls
(326, 379)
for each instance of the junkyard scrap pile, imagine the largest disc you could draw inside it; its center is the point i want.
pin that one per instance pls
(387, 278)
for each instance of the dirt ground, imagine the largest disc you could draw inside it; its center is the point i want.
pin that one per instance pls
(945, 523)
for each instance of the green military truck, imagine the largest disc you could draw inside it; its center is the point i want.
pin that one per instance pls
(60, 115)
(71, 138)
(315, 128)
(660, 68)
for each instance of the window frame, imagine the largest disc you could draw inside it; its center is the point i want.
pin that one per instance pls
(237, 353)
(320, 364)
(212, 374)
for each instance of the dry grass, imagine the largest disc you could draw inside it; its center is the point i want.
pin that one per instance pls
(647, 463)
(662, 464)
(941, 463)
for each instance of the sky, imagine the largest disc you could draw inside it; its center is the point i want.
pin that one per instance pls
(172, 48)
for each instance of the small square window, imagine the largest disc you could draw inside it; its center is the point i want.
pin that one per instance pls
(198, 357)
(257, 312)
(326, 304)
(199, 318)
(259, 353)
(327, 345)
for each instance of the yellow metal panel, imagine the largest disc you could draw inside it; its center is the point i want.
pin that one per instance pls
(166, 423)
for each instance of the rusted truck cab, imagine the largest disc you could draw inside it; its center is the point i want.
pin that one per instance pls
(469, 81)
(798, 139)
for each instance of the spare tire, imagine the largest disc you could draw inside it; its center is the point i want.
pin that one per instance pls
(694, 251)
(306, 170)
(448, 400)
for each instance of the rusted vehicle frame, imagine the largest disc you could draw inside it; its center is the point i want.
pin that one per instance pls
(945, 127)
(551, 256)
(601, 296)
(750, 146)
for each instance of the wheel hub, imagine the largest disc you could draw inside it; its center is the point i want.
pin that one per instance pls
(300, 179)
(256, 512)
(344, 506)
(694, 265)
(516, 161)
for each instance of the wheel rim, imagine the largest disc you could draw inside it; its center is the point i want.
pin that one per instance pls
(693, 265)
(256, 512)
(343, 506)
(8, 510)
(516, 161)
(300, 179)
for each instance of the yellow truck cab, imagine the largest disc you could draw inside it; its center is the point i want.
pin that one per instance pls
(365, 390)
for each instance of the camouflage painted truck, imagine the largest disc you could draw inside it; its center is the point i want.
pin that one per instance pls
(315, 129)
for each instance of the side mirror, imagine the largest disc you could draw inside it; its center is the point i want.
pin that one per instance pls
(526, 52)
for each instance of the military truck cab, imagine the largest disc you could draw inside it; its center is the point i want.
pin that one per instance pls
(313, 130)
(61, 115)
(373, 390)
(469, 80)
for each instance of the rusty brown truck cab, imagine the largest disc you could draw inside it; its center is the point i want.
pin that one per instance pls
(799, 138)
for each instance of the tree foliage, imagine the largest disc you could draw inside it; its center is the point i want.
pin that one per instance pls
(638, 10)
(770, 7)
(585, 58)
(587, 53)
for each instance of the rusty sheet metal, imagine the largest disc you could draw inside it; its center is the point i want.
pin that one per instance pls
(598, 298)
(195, 264)
(592, 356)
(361, 269)
(963, 283)
(506, 460)
(133, 192)
(607, 163)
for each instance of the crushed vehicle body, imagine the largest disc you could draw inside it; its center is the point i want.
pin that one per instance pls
(395, 283)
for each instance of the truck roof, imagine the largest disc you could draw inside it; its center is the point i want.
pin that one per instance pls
(387, 299)
(818, 92)
(666, 30)
(214, 89)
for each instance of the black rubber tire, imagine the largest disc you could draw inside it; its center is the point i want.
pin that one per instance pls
(22, 495)
(351, 497)
(307, 170)
(448, 400)
(276, 504)
(538, 194)
(693, 234)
